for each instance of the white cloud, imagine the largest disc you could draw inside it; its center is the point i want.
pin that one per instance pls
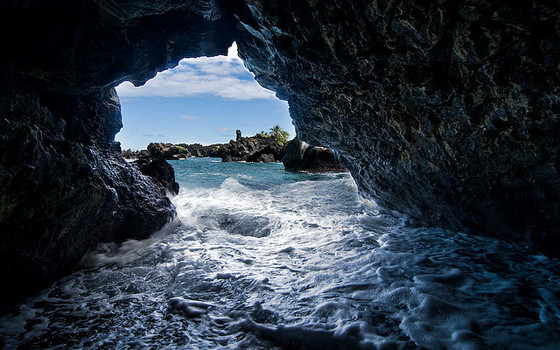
(223, 76)
(189, 117)
(223, 130)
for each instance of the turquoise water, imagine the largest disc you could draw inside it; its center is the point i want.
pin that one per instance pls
(260, 258)
(195, 173)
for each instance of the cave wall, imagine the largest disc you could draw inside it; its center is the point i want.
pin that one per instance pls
(446, 111)
(64, 184)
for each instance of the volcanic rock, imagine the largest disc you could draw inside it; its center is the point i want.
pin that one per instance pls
(300, 156)
(258, 148)
(159, 170)
(65, 187)
(447, 111)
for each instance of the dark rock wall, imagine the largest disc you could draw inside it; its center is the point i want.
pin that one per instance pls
(447, 111)
(78, 46)
(65, 186)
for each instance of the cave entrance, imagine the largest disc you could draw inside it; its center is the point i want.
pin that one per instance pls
(202, 100)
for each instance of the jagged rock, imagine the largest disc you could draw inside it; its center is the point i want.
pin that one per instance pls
(196, 149)
(65, 187)
(168, 151)
(130, 154)
(446, 111)
(302, 157)
(258, 148)
(159, 170)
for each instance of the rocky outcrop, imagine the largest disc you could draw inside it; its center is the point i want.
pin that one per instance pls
(259, 149)
(130, 154)
(64, 185)
(159, 170)
(445, 111)
(167, 151)
(300, 156)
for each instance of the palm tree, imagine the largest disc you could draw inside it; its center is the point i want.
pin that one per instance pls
(279, 135)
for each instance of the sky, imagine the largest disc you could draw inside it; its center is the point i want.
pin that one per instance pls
(202, 100)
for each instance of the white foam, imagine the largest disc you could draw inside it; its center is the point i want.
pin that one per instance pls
(330, 272)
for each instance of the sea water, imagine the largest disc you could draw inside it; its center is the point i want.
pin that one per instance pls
(260, 258)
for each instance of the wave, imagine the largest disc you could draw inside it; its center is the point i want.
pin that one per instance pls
(299, 263)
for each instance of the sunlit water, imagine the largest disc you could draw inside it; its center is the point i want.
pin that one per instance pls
(265, 259)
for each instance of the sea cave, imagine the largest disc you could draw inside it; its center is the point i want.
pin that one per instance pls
(444, 233)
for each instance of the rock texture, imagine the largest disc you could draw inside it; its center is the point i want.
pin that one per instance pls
(160, 171)
(257, 149)
(300, 156)
(79, 46)
(65, 187)
(446, 111)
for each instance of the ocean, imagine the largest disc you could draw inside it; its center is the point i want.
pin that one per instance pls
(261, 258)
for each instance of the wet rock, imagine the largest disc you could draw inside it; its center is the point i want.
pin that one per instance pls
(445, 111)
(64, 184)
(158, 169)
(302, 157)
(65, 187)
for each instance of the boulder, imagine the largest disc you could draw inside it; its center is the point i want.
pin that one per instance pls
(160, 170)
(300, 156)
(168, 151)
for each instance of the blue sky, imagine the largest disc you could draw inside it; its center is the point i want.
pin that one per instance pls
(201, 100)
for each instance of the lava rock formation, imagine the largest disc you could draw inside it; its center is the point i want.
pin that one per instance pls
(259, 149)
(300, 156)
(445, 111)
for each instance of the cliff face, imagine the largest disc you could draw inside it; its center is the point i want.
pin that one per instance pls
(446, 111)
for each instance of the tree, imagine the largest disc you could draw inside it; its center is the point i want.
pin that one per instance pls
(279, 135)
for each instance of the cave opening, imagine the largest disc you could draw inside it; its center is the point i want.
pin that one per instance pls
(202, 100)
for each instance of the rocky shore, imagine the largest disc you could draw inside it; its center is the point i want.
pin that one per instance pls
(259, 148)
(296, 155)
